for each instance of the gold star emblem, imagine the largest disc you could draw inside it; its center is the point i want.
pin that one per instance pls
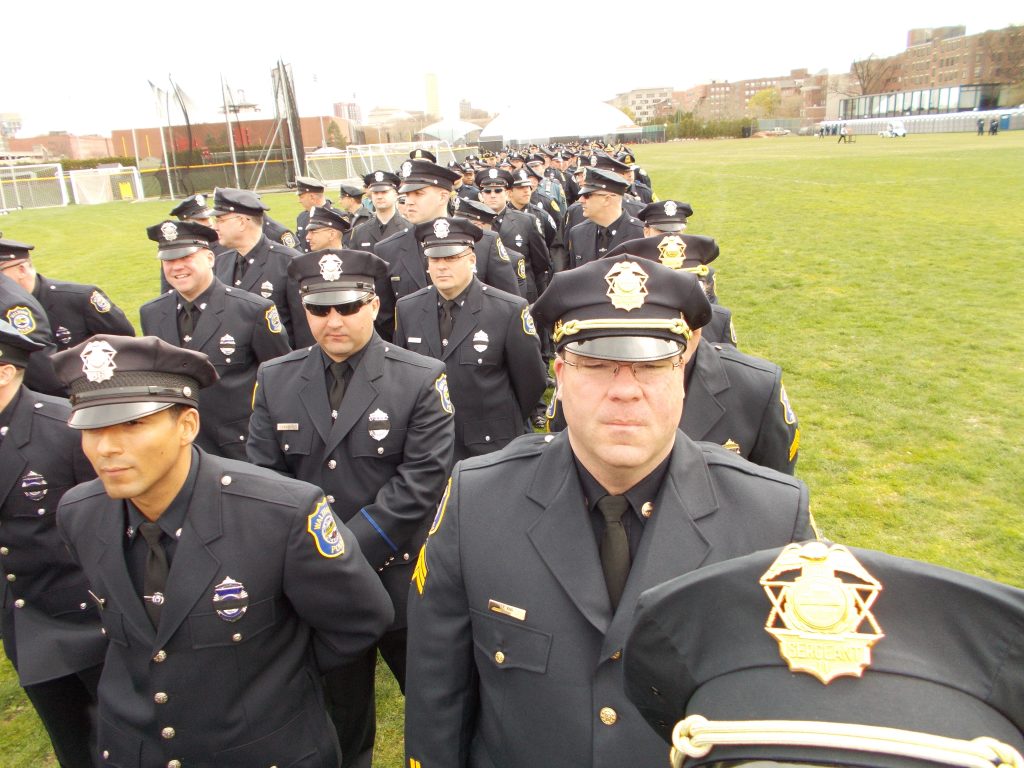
(672, 250)
(627, 285)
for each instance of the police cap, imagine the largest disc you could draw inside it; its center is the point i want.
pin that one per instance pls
(336, 276)
(606, 162)
(623, 308)
(447, 236)
(832, 655)
(419, 174)
(114, 379)
(474, 210)
(14, 347)
(193, 207)
(177, 239)
(379, 180)
(666, 215)
(598, 180)
(350, 190)
(321, 216)
(227, 200)
(305, 184)
(688, 252)
(423, 154)
(12, 250)
(493, 177)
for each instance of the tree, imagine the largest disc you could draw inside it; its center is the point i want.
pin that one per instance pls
(875, 75)
(765, 103)
(334, 137)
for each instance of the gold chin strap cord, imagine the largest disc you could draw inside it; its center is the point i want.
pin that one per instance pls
(696, 737)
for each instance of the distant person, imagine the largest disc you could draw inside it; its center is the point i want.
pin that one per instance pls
(993, 127)
(842, 134)
(981, 126)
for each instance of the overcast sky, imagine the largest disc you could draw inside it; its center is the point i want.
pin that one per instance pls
(73, 74)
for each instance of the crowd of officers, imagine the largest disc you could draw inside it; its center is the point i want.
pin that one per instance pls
(442, 421)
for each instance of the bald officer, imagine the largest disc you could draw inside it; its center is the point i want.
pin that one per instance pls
(225, 590)
(525, 590)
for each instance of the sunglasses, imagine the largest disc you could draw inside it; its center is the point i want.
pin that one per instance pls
(345, 310)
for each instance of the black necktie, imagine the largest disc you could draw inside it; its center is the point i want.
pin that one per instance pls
(447, 318)
(602, 241)
(339, 374)
(154, 581)
(614, 546)
(239, 268)
(188, 321)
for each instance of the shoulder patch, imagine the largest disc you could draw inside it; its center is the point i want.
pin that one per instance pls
(528, 327)
(99, 301)
(732, 333)
(273, 320)
(288, 239)
(502, 253)
(441, 507)
(322, 526)
(555, 206)
(787, 409)
(521, 269)
(441, 385)
(22, 319)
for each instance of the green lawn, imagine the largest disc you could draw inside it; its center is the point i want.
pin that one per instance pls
(886, 278)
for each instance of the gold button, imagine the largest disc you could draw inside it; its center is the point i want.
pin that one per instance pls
(609, 715)
(167, 733)
(617, 655)
(237, 637)
(19, 603)
(160, 656)
(499, 657)
(160, 698)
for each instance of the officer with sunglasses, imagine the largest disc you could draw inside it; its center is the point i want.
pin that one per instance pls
(370, 423)
(524, 593)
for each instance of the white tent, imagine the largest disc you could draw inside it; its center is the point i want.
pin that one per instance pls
(452, 131)
(539, 121)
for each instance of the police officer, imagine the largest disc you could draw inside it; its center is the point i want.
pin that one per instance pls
(519, 231)
(350, 201)
(602, 162)
(485, 337)
(523, 196)
(607, 224)
(468, 189)
(235, 329)
(370, 423)
(427, 188)
(311, 195)
(195, 209)
(830, 655)
(255, 263)
(483, 217)
(385, 221)
(51, 629)
(326, 228)
(23, 311)
(278, 232)
(75, 311)
(526, 587)
(637, 188)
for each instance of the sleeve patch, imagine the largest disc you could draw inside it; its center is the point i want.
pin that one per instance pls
(502, 253)
(787, 409)
(732, 333)
(324, 529)
(288, 239)
(795, 445)
(100, 302)
(441, 507)
(273, 320)
(441, 385)
(22, 319)
(521, 269)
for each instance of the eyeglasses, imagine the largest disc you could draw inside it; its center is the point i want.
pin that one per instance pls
(492, 190)
(588, 195)
(220, 219)
(345, 310)
(452, 259)
(605, 371)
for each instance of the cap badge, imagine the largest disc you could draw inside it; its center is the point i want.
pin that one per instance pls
(627, 285)
(330, 267)
(817, 616)
(593, 159)
(480, 341)
(492, 174)
(378, 176)
(33, 485)
(230, 599)
(98, 361)
(227, 344)
(672, 251)
(441, 229)
(406, 169)
(418, 154)
(670, 208)
(200, 201)
(379, 425)
(456, 203)
(267, 289)
(169, 230)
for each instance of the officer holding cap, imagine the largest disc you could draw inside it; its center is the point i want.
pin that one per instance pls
(255, 263)
(235, 329)
(51, 629)
(310, 192)
(225, 590)
(526, 586)
(370, 423)
(486, 338)
(821, 654)
(607, 224)
(385, 221)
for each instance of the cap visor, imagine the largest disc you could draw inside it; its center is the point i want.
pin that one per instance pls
(98, 416)
(628, 348)
(170, 254)
(440, 251)
(330, 298)
(412, 186)
(667, 226)
(383, 186)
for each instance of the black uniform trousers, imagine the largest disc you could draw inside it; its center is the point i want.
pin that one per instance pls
(70, 701)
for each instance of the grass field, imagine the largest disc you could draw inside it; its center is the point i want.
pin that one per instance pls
(884, 276)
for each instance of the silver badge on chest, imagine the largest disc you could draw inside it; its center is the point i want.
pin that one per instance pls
(227, 344)
(33, 485)
(379, 425)
(230, 599)
(480, 341)
(267, 289)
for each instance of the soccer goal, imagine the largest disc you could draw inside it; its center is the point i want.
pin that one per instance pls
(32, 186)
(106, 184)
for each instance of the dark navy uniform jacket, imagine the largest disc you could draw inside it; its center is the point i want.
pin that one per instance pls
(495, 372)
(23, 310)
(279, 233)
(300, 228)
(371, 231)
(267, 276)
(77, 311)
(521, 232)
(212, 686)
(237, 331)
(50, 626)
(407, 272)
(514, 649)
(382, 463)
(582, 245)
(720, 329)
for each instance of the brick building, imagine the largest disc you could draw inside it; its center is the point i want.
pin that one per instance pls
(60, 145)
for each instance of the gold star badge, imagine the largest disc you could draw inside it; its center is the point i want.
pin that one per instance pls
(627, 285)
(672, 250)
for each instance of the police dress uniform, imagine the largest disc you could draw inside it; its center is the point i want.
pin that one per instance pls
(583, 238)
(23, 310)
(372, 231)
(521, 232)
(301, 245)
(495, 371)
(265, 591)
(51, 628)
(237, 331)
(720, 329)
(480, 214)
(78, 311)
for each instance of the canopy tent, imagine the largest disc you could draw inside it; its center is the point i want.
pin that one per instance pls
(452, 131)
(543, 122)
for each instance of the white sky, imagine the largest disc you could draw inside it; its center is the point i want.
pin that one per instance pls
(71, 74)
